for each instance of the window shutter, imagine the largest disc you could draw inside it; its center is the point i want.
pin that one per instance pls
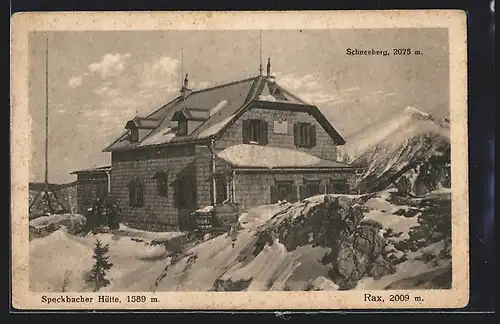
(345, 188)
(303, 192)
(274, 194)
(293, 193)
(312, 134)
(263, 131)
(131, 194)
(140, 196)
(246, 131)
(175, 194)
(296, 134)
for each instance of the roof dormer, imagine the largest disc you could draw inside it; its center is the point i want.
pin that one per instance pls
(140, 126)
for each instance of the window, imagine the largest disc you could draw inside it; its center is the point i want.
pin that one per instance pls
(310, 188)
(135, 194)
(161, 184)
(283, 190)
(338, 186)
(221, 189)
(134, 135)
(186, 192)
(101, 190)
(87, 193)
(183, 127)
(255, 131)
(304, 134)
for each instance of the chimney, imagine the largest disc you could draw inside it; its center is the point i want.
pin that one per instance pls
(185, 90)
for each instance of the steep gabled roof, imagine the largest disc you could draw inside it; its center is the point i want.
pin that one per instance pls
(217, 108)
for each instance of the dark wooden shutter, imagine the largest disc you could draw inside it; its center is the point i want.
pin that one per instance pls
(303, 192)
(175, 193)
(274, 194)
(312, 134)
(293, 193)
(296, 134)
(131, 193)
(246, 131)
(263, 132)
(140, 195)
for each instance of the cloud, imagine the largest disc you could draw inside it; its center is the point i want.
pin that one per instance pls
(75, 81)
(111, 64)
(161, 72)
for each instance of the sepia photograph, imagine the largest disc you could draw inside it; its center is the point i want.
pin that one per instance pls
(242, 159)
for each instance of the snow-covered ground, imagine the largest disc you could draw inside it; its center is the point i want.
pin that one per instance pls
(265, 256)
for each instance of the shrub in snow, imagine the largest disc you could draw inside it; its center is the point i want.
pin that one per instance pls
(101, 266)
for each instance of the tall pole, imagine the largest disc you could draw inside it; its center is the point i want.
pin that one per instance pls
(47, 115)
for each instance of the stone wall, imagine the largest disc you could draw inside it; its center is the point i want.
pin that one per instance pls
(325, 147)
(158, 213)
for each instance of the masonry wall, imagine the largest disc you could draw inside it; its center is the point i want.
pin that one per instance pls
(254, 189)
(325, 147)
(158, 213)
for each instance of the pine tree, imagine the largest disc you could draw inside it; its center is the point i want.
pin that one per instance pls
(100, 267)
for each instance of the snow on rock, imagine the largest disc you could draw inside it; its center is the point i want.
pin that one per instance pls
(323, 284)
(206, 209)
(67, 220)
(151, 236)
(326, 242)
(246, 155)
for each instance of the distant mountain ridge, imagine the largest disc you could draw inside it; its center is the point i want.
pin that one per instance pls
(410, 150)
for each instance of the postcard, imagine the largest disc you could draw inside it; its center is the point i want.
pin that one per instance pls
(239, 160)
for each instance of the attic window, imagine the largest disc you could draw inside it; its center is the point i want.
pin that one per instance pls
(134, 135)
(182, 128)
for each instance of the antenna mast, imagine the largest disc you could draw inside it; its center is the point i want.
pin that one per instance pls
(182, 67)
(260, 52)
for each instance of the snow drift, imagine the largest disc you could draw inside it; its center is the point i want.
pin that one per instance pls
(381, 240)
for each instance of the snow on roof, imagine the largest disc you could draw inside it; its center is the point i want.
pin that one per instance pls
(215, 107)
(257, 156)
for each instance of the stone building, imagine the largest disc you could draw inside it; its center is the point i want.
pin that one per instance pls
(232, 146)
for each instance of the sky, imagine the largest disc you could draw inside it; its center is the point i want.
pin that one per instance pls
(99, 80)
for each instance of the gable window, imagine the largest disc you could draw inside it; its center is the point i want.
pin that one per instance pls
(161, 183)
(283, 190)
(135, 193)
(255, 131)
(304, 134)
(185, 192)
